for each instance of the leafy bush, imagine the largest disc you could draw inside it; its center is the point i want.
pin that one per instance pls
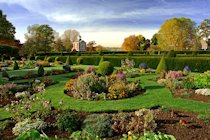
(188, 83)
(79, 60)
(32, 135)
(105, 68)
(101, 60)
(43, 63)
(27, 125)
(87, 86)
(137, 122)
(90, 69)
(143, 66)
(174, 75)
(67, 68)
(120, 89)
(5, 74)
(148, 136)
(83, 135)
(40, 71)
(68, 61)
(69, 121)
(161, 66)
(15, 67)
(98, 124)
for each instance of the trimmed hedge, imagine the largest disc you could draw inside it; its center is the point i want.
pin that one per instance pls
(199, 64)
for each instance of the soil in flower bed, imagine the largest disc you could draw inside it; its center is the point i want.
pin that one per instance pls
(6, 101)
(181, 124)
(190, 94)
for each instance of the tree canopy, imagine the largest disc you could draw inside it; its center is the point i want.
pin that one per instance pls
(38, 38)
(134, 42)
(204, 29)
(7, 30)
(178, 34)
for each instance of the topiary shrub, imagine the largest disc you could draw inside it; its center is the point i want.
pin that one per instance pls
(68, 61)
(101, 60)
(105, 68)
(161, 66)
(57, 58)
(15, 66)
(98, 124)
(79, 60)
(40, 71)
(69, 121)
(143, 66)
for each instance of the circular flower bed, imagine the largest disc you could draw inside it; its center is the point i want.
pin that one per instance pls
(90, 86)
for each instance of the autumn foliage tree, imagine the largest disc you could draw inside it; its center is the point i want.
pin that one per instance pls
(130, 43)
(178, 34)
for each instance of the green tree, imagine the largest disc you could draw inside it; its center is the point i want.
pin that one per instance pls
(7, 30)
(161, 66)
(178, 34)
(154, 39)
(58, 45)
(39, 38)
(143, 43)
(204, 29)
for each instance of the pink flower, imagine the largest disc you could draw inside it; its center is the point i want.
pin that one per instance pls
(30, 106)
(38, 89)
(12, 104)
(17, 102)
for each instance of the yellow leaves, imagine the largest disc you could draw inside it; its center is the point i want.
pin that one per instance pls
(130, 43)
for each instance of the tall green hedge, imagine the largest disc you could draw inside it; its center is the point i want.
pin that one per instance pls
(199, 64)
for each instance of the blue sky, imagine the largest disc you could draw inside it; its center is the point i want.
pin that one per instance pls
(107, 22)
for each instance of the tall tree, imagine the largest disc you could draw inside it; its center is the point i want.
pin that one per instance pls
(7, 30)
(134, 42)
(39, 38)
(178, 34)
(69, 36)
(154, 39)
(130, 43)
(58, 45)
(204, 29)
(90, 45)
(143, 42)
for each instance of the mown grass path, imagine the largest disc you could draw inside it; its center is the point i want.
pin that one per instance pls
(155, 95)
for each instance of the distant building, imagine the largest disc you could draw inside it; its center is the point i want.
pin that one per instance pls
(79, 45)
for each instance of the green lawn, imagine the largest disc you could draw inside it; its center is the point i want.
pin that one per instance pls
(155, 95)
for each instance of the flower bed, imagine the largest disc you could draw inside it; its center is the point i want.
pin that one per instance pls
(90, 86)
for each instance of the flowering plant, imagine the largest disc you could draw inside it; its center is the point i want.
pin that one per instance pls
(128, 66)
(26, 108)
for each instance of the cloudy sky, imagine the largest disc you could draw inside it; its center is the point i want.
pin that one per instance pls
(107, 22)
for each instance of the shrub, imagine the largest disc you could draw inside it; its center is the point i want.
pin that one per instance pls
(98, 124)
(40, 71)
(43, 63)
(105, 68)
(50, 59)
(141, 120)
(130, 53)
(171, 53)
(5, 74)
(79, 60)
(90, 69)
(15, 67)
(186, 70)
(87, 86)
(83, 135)
(68, 61)
(143, 66)
(69, 121)
(174, 75)
(161, 66)
(101, 60)
(57, 58)
(32, 135)
(67, 68)
(27, 125)
(78, 54)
